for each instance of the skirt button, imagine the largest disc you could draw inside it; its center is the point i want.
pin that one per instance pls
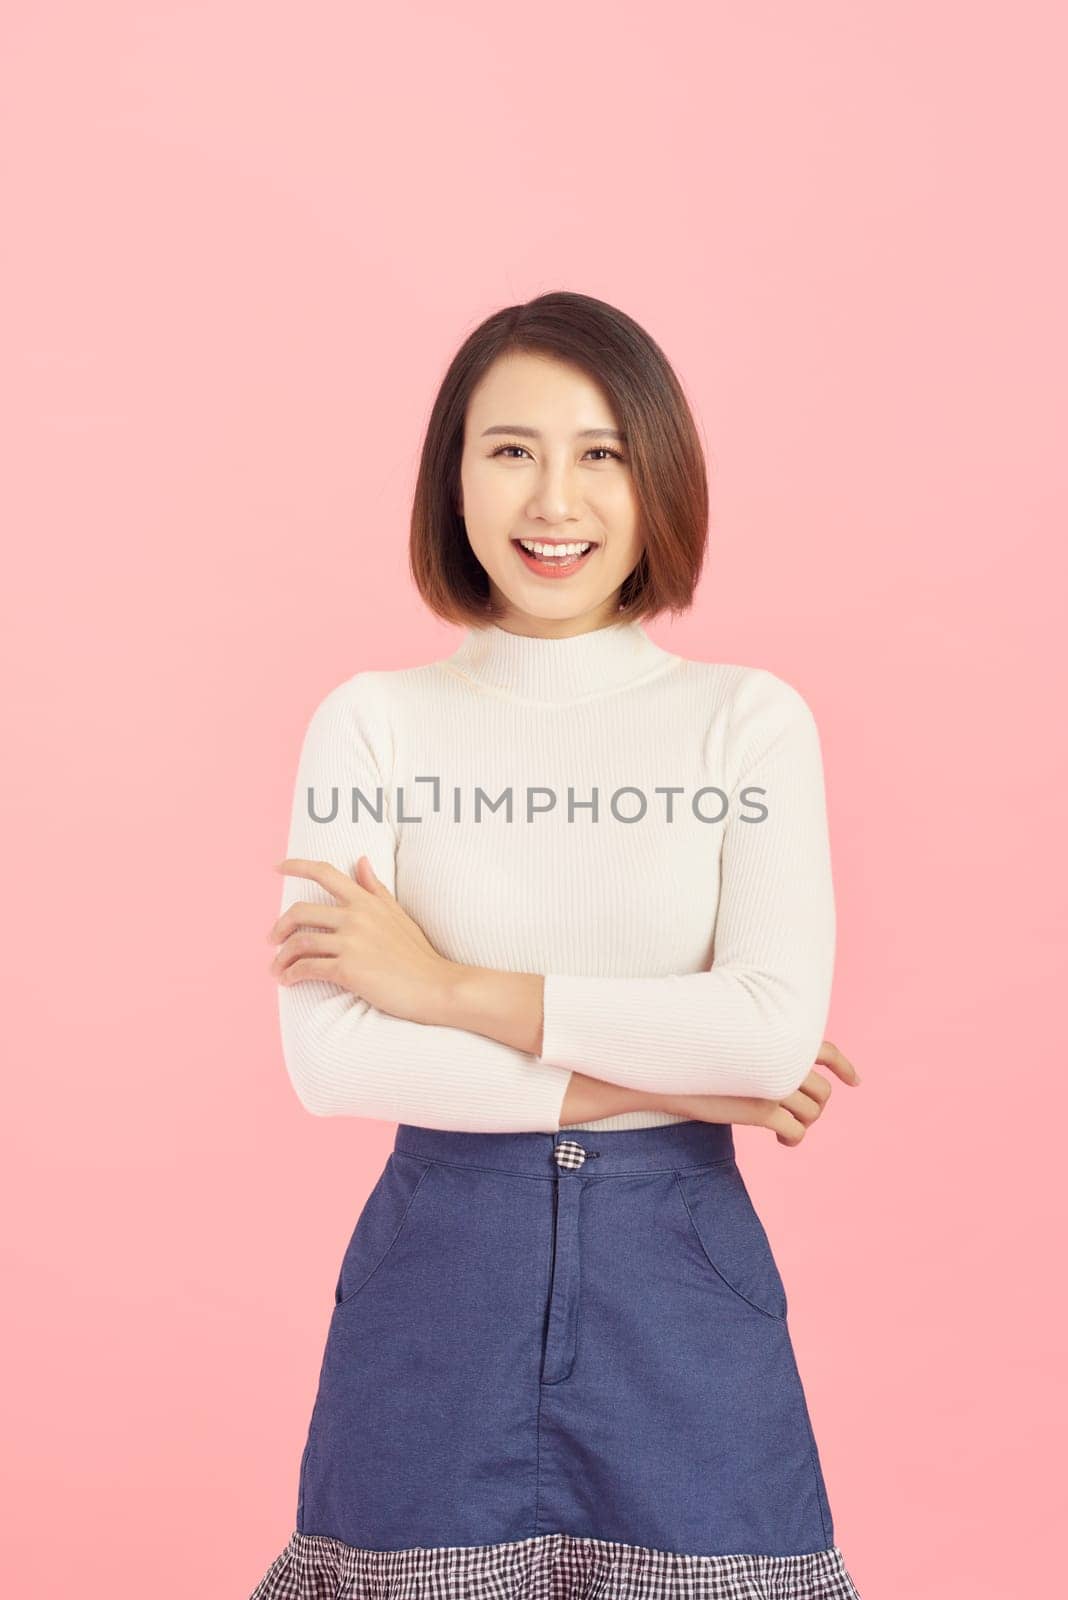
(569, 1154)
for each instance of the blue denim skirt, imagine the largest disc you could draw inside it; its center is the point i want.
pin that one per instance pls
(558, 1366)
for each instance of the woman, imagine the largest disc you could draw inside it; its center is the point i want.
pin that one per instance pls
(558, 1361)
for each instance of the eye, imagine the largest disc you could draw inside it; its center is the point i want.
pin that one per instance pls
(596, 449)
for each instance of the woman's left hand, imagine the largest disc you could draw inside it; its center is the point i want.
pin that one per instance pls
(371, 946)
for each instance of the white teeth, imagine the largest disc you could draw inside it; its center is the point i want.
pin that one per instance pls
(554, 549)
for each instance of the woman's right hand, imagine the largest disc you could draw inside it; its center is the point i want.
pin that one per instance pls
(788, 1119)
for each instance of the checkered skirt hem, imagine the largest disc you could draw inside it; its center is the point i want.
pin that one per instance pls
(551, 1566)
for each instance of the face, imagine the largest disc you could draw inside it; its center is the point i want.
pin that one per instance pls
(543, 463)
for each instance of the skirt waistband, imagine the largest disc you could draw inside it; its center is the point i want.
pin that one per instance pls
(673, 1146)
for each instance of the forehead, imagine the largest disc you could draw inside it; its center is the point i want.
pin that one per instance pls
(540, 392)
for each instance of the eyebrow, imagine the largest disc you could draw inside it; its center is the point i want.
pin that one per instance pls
(533, 433)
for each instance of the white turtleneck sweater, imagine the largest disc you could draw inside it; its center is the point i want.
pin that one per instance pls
(685, 946)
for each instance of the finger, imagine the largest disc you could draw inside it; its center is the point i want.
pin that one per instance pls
(311, 969)
(305, 913)
(817, 1088)
(305, 944)
(829, 1055)
(789, 1130)
(368, 879)
(804, 1106)
(329, 877)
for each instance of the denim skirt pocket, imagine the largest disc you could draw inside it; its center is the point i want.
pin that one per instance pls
(724, 1224)
(389, 1215)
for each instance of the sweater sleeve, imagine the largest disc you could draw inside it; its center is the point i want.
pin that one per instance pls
(753, 1022)
(344, 1057)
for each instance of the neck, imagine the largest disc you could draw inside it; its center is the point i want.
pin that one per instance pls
(579, 666)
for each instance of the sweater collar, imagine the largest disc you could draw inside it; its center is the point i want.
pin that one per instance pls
(580, 667)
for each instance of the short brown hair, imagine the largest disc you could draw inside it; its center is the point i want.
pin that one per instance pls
(667, 460)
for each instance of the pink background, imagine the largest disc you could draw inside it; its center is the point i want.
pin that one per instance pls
(242, 244)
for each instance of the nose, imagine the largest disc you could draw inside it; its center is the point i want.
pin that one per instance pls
(555, 498)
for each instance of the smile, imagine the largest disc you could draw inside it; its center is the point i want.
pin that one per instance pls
(536, 555)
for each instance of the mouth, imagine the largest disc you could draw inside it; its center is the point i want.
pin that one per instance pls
(547, 565)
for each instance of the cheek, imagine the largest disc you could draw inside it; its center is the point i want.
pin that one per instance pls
(617, 499)
(623, 560)
(491, 499)
(486, 527)
(619, 511)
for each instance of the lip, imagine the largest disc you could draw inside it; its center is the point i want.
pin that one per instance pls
(543, 569)
(537, 539)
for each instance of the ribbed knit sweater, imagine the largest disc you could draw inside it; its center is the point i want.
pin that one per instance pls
(647, 832)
